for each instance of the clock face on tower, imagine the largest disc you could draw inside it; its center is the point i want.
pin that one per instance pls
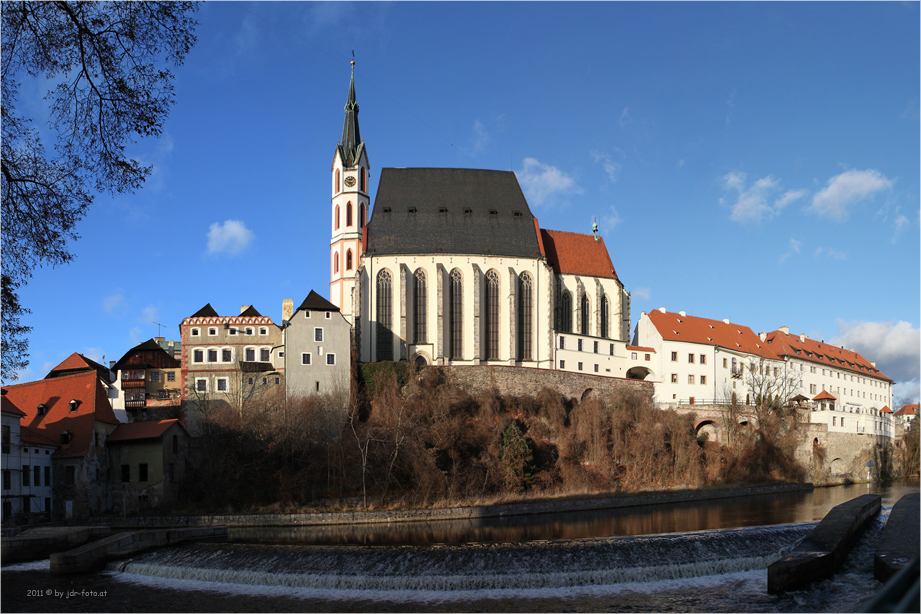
(350, 182)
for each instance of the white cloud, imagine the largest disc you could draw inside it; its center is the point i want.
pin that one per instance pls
(751, 206)
(844, 191)
(611, 221)
(642, 293)
(625, 117)
(231, 237)
(482, 137)
(541, 181)
(794, 249)
(149, 314)
(610, 167)
(94, 354)
(135, 336)
(895, 347)
(910, 390)
(680, 162)
(788, 197)
(901, 224)
(830, 253)
(247, 37)
(114, 304)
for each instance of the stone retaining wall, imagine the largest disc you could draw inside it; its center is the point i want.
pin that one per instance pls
(528, 380)
(456, 513)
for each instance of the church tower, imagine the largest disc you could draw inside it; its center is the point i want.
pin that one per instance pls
(350, 207)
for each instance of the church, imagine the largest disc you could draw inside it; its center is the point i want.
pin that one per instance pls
(450, 267)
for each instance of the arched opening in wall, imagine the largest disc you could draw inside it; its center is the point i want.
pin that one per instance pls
(566, 312)
(420, 360)
(604, 316)
(336, 218)
(492, 315)
(640, 373)
(384, 315)
(336, 262)
(585, 394)
(707, 431)
(836, 467)
(455, 316)
(348, 260)
(348, 214)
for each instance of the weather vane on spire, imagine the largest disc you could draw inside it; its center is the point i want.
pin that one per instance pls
(353, 58)
(595, 227)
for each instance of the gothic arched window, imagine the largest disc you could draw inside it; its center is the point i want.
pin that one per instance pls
(420, 305)
(384, 315)
(604, 315)
(584, 326)
(336, 184)
(336, 262)
(566, 313)
(456, 315)
(492, 315)
(525, 316)
(361, 216)
(336, 218)
(348, 260)
(364, 179)
(348, 214)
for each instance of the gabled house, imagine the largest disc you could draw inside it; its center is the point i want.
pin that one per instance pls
(317, 344)
(907, 414)
(148, 460)
(148, 381)
(71, 408)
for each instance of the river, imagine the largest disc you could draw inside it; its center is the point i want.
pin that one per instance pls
(705, 556)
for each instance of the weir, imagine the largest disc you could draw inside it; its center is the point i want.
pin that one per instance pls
(899, 543)
(474, 567)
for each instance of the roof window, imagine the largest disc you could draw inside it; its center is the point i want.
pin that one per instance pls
(74, 404)
(442, 209)
(386, 209)
(468, 211)
(410, 209)
(517, 213)
(493, 212)
(41, 409)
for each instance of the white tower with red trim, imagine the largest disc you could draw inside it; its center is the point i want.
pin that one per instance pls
(350, 207)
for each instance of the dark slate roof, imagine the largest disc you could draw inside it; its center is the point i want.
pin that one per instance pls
(251, 312)
(205, 312)
(349, 146)
(499, 221)
(315, 302)
(148, 346)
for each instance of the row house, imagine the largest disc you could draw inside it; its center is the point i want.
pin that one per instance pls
(148, 381)
(703, 361)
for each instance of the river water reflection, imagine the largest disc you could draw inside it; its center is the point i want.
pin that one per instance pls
(804, 506)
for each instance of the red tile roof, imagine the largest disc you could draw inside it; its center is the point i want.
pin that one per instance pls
(8, 407)
(55, 394)
(141, 430)
(824, 395)
(640, 348)
(75, 363)
(908, 410)
(817, 352)
(32, 436)
(885, 410)
(677, 327)
(577, 254)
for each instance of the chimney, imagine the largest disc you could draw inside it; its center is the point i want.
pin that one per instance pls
(243, 308)
(762, 335)
(111, 364)
(784, 329)
(287, 308)
(682, 314)
(726, 321)
(662, 309)
(803, 338)
(874, 364)
(159, 339)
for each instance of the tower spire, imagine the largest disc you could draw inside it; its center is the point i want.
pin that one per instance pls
(351, 137)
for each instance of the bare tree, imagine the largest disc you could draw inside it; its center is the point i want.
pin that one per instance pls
(772, 384)
(110, 88)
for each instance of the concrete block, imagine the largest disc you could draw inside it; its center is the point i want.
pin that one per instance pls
(823, 551)
(901, 537)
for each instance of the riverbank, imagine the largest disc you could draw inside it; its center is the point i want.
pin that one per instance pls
(455, 513)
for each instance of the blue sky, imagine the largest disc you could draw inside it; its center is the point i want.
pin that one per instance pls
(757, 162)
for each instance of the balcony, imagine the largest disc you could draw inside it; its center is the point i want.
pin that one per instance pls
(133, 384)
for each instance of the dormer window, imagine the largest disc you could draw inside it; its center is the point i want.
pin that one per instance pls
(74, 404)
(442, 210)
(66, 436)
(410, 209)
(41, 409)
(387, 209)
(493, 212)
(468, 211)
(517, 214)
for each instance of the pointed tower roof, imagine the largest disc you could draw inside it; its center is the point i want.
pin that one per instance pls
(350, 145)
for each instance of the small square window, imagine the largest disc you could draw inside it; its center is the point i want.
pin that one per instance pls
(171, 376)
(674, 356)
(201, 385)
(724, 363)
(222, 384)
(596, 368)
(306, 313)
(647, 357)
(579, 343)
(690, 379)
(328, 315)
(263, 330)
(195, 332)
(212, 332)
(277, 380)
(690, 359)
(703, 359)
(633, 355)
(250, 355)
(198, 356)
(212, 355)
(232, 331)
(562, 364)
(674, 378)
(580, 366)
(155, 376)
(264, 355)
(703, 379)
(226, 355)
(318, 334)
(330, 359)
(305, 359)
